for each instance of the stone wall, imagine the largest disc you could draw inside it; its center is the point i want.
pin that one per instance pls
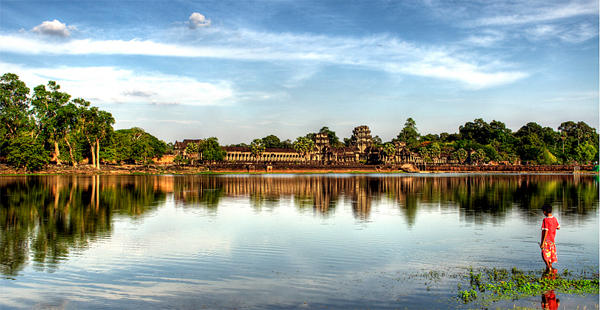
(509, 168)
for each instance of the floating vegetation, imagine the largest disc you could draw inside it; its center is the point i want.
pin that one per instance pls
(492, 284)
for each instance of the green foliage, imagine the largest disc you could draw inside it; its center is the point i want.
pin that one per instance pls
(586, 152)
(192, 148)
(135, 145)
(334, 141)
(271, 141)
(430, 151)
(211, 150)
(26, 152)
(460, 155)
(66, 127)
(257, 148)
(180, 160)
(303, 145)
(409, 133)
(73, 130)
(478, 156)
(492, 284)
(389, 150)
(547, 158)
(14, 108)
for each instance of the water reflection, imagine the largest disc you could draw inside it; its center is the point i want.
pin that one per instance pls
(47, 217)
(44, 219)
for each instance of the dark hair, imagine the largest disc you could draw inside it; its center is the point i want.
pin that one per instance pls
(547, 208)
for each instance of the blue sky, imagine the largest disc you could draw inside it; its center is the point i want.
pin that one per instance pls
(244, 69)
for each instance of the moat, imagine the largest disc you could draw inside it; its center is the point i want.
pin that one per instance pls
(282, 241)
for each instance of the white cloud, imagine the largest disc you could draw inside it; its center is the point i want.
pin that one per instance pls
(535, 14)
(53, 28)
(381, 52)
(571, 34)
(107, 85)
(198, 20)
(486, 38)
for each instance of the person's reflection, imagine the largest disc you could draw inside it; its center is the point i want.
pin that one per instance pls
(549, 300)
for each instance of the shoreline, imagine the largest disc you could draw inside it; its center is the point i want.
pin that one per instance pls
(84, 170)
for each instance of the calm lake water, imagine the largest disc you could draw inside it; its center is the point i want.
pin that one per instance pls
(281, 241)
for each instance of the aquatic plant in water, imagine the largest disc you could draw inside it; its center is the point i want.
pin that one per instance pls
(493, 284)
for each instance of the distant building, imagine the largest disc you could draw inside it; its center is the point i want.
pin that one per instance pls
(361, 150)
(179, 147)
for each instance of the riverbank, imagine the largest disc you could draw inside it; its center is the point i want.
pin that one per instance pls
(229, 168)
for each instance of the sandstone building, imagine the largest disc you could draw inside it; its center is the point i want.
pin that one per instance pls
(361, 150)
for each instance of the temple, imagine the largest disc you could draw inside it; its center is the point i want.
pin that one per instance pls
(362, 149)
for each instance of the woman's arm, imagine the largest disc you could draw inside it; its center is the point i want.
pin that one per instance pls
(544, 233)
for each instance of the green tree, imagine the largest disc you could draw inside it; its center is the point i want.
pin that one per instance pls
(430, 152)
(409, 133)
(190, 149)
(334, 141)
(271, 141)
(14, 108)
(389, 150)
(26, 152)
(68, 118)
(211, 150)
(97, 127)
(586, 152)
(478, 156)
(547, 158)
(135, 145)
(377, 142)
(47, 104)
(478, 131)
(304, 146)
(460, 155)
(257, 148)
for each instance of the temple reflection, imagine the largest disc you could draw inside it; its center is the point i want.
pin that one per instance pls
(43, 219)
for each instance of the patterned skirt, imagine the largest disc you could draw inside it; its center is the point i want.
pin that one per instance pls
(549, 252)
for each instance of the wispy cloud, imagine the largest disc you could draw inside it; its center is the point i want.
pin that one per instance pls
(107, 85)
(532, 14)
(54, 28)
(376, 52)
(574, 34)
(486, 38)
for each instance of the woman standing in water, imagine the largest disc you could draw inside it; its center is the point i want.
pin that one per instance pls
(549, 227)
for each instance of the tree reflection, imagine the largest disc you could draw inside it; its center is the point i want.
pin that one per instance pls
(479, 198)
(45, 219)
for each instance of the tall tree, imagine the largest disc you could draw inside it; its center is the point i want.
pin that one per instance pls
(14, 107)
(257, 147)
(46, 105)
(69, 125)
(97, 127)
(409, 133)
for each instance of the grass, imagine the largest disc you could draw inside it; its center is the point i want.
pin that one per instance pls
(492, 284)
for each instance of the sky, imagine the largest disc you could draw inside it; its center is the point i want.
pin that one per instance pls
(239, 70)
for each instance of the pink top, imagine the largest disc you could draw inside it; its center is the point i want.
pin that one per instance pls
(550, 224)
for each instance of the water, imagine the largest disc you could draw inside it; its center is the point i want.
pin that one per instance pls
(281, 241)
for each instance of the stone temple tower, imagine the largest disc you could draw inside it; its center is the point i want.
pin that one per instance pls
(361, 138)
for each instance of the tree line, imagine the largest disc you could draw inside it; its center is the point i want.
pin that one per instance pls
(475, 142)
(47, 125)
